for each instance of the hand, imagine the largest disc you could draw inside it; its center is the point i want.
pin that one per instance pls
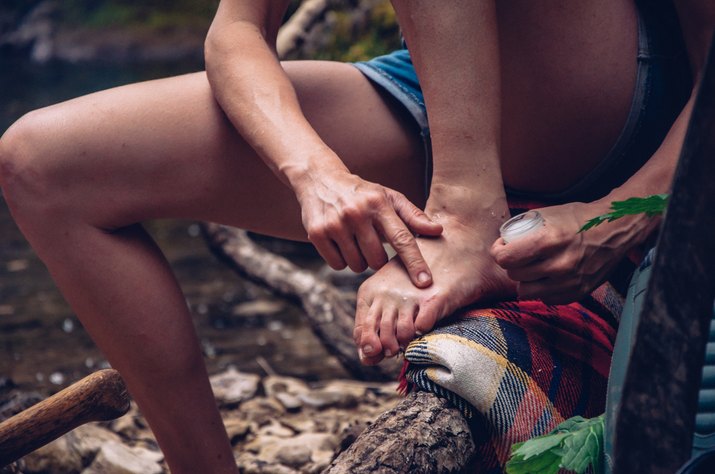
(347, 218)
(559, 265)
(391, 311)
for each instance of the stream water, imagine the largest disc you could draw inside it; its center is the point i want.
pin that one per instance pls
(42, 344)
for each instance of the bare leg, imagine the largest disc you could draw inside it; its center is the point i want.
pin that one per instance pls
(568, 70)
(79, 176)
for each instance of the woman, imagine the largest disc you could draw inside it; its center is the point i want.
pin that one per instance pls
(514, 91)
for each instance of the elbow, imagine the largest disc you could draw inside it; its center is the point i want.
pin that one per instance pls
(211, 49)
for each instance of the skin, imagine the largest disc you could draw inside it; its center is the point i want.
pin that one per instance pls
(329, 158)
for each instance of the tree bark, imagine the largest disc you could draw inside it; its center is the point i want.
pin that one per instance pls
(422, 434)
(655, 422)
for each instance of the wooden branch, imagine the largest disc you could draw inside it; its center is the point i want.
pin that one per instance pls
(655, 422)
(422, 434)
(329, 311)
(98, 397)
(294, 32)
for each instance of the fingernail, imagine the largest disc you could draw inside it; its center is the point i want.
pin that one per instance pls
(367, 349)
(388, 353)
(423, 277)
(419, 333)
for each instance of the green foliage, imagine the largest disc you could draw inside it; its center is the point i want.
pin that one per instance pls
(378, 35)
(574, 445)
(651, 206)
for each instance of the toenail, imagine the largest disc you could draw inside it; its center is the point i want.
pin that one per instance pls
(367, 349)
(361, 355)
(388, 353)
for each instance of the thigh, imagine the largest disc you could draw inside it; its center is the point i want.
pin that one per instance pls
(164, 148)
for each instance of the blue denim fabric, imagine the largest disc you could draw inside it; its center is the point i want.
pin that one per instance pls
(663, 85)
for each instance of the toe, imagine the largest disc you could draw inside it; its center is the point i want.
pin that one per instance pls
(369, 345)
(388, 338)
(427, 316)
(405, 330)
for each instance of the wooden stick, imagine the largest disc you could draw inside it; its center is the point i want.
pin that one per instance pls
(100, 396)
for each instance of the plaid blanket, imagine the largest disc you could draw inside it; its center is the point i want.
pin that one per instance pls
(519, 368)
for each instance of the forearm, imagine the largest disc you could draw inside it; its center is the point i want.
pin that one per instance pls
(255, 93)
(454, 48)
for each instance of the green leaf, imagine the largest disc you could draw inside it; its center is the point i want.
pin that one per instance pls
(545, 463)
(573, 445)
(536, 446)
(585, 447)
(650, 206)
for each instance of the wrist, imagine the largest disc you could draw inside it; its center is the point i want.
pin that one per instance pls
(631, 230)
(302, 172)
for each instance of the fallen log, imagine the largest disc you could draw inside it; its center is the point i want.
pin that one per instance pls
(329, 311)
(422, 434)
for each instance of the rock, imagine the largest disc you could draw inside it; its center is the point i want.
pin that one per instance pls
(302, 424)
(17, 401)
(294, 455)
(271, 449)
(291, 402)
(248, 463)
(116, 458)
(232, 387)
(362, 389)
(275, 428)
(149, 454)
(70, 452)
(237, 429)
(321, 399)
(277, 384)
(57, 457)
(262, 410)
(258, 308)
(88, 439)
(321, 459)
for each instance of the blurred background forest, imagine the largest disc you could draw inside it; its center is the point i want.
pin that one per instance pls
(51, 51)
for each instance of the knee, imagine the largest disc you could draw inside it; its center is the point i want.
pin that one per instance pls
(28, 179)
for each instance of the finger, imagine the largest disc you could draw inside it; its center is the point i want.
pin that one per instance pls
(330, 253)
(404, 243)
(350, 252)
(388, 340)
(371, 247)
(405, 330)
(413, 216)
(427, 316)
(522, 252)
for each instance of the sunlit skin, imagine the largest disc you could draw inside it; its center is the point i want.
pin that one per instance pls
(311, 150)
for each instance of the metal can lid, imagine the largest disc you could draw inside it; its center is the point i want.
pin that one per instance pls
(520, 225)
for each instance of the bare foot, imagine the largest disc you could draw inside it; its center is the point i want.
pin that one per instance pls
(391, 311)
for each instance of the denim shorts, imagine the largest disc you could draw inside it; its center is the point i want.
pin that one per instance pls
(663, 86)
